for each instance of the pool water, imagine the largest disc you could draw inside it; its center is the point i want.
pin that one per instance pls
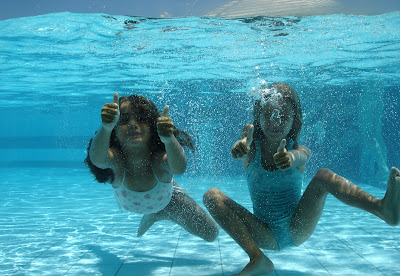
(58, 70)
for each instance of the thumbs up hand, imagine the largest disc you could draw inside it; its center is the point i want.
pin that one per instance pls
(165, 126)
(242, 147)
(282, 158)
(110, 113)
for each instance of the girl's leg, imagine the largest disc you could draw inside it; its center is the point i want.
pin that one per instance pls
(246, 229)
(326, 182)
(185, 212)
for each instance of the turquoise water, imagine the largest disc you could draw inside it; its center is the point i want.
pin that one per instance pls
(58, 70)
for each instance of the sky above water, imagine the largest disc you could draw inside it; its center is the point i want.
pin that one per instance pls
(150, 8)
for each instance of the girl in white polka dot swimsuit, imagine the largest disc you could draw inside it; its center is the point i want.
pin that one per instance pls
(138, 152)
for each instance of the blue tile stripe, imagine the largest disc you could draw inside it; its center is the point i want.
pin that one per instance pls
(40, 164)
(44, 142)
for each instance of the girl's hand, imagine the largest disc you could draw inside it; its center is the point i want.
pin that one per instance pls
(282, 158)
(165, 126)
(242, 147)
(110, 113)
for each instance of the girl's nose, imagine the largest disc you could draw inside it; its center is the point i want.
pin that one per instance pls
(133, 124)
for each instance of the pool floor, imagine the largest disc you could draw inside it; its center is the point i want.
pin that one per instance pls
(59, 222)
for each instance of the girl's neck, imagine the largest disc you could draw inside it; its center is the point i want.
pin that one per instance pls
(269, 145)
(137, 159)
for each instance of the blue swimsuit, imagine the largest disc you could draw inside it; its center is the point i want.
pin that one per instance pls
(275, 196)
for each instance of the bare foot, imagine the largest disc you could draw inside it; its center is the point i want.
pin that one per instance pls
(145, 223)
(258, 266)
(390, 211)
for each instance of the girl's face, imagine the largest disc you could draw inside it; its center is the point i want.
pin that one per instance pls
(132, 130)
(276, 119)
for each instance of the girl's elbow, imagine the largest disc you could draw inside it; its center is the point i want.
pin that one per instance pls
(308, 154)
(100, 165)
(98, 162)
(306, 151)
(93, 158)
(179, 168)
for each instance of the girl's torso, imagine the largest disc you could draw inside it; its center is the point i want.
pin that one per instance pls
(275, 194)
(144, 191)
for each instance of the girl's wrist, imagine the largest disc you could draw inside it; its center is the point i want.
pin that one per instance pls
(106, 128)
(166, 139)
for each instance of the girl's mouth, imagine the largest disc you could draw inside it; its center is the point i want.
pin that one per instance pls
(134, 134)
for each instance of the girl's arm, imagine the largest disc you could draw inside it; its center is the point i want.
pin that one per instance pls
(242, 148)
(296, 157)
(100, 153)
(175, 157)
(300, 156)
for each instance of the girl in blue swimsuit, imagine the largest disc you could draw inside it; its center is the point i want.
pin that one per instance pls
(274, 163)
(138, 152)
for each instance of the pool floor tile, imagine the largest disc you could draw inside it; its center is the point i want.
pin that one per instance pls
(85, 235)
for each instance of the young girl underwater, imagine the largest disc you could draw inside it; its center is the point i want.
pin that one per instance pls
(274, 163)
(138, 152)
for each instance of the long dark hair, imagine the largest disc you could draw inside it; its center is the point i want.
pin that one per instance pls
(149, 114)
(290, 95)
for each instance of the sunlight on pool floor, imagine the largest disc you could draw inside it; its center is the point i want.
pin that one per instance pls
(53, 221)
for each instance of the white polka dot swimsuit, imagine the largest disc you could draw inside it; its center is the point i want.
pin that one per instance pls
(147, 202)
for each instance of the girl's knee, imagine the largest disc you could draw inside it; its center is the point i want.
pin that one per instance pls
(323, 175)
(321, 179)
(324, 172)
(211, 197)
(326, 180)
(212, 234)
